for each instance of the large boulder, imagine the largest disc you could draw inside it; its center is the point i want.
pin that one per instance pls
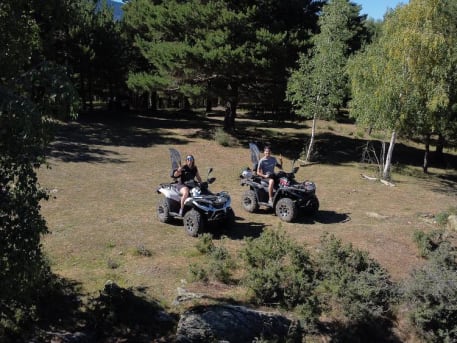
(228, 323)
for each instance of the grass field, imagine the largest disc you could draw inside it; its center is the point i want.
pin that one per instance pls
(104, 172)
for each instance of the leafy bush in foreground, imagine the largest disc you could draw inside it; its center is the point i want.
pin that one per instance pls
(279, 272)
(431, 296)
(219, 265)
(352, 284)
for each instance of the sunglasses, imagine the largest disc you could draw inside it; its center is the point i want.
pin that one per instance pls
(189, 159)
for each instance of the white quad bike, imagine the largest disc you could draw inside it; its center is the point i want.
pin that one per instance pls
(201, 208)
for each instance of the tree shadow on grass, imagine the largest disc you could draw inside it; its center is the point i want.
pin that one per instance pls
(129, 315)
(325, 217)
(60, 306)
(90, 137)
(448, 184)
(116, 314)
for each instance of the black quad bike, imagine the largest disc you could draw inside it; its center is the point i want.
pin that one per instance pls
(290, 198)
(200, 208)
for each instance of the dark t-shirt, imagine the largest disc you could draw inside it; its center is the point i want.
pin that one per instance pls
(268, 164)
(187, 174)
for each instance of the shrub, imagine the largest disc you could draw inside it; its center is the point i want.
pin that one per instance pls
(223, 138)
(352, 284)
(279, 272)
(141, 250)
(428, 242)
(205, 243)
(431, 296)
(441, 218)
(198, 273)
(219, 264)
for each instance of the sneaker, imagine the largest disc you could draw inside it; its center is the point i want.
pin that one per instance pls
(180, 212)
(270, 202)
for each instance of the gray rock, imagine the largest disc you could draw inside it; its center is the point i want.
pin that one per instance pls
(452, 222)
(236, 324)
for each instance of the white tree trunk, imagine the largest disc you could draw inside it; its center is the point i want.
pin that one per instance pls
(311, 141)
(386, 172)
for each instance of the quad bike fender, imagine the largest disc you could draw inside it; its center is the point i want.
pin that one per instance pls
(170, 193)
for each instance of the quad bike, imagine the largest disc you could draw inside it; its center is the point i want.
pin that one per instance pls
(200, 208)
(290, 198)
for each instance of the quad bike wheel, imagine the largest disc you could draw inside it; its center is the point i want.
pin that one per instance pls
(249, 201)
(286, 209)
(312, 206)
(163, 211)
(193, 223)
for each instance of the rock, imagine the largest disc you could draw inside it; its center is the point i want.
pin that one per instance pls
(227, 323)
(376, 215)
(452, 222)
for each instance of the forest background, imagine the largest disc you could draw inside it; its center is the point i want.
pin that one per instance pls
(279, 61)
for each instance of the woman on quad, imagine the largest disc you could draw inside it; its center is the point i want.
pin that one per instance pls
(266, 169)
(186, 173)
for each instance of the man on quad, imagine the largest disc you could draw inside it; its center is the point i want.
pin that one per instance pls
(186, 173)
(266, 169)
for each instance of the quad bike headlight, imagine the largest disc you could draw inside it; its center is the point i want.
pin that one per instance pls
(246, 174)
(195, 191)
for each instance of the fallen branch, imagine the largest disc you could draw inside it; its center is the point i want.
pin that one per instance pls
(369, 177)
(385, 182)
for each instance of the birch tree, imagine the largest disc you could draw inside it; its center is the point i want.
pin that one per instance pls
(405, 81)
(317, 88)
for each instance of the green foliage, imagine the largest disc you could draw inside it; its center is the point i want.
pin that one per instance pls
(279, 272)
(441, 218)
(16, 21)
(428, 242)
(205, 243)
(319, 85)
(352, 284)
(29, 99)
(219, 265)
(198, 272)
(141, 250)
(431, 296)
(218, 47)
(223, 138)
(405, 79)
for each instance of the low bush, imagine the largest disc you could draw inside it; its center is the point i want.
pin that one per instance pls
(428, 242)
(281, 273)
(223, 138)
(430, 295)
(353, 285)
(441, 218)
(219, 265)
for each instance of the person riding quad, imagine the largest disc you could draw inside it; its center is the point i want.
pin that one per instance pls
(266, 169)
(186, 173)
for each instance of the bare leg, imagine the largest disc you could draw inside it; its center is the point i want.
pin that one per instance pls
(271, 183)
(184, 195)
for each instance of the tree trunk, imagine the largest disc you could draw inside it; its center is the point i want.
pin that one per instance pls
(426, 154)
(386, 171)
(209, 105)
(311, 141)
(230, 108)
(440, 150)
